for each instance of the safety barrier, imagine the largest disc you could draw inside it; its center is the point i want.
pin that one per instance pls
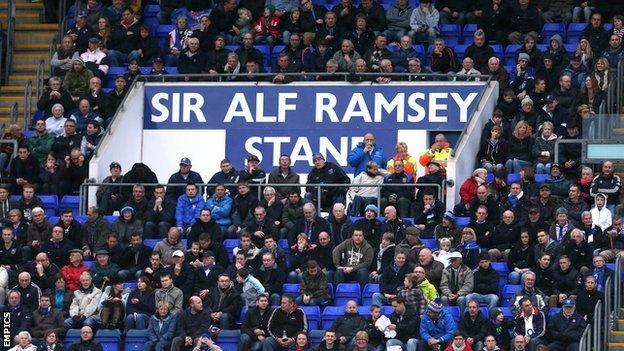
(259, 188)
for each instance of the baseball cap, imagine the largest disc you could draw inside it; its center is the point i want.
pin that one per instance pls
(114, 164)
(177, 253)
(185, 161)
(568, 303)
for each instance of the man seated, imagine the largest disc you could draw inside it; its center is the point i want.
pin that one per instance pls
(403, 322)
(224, 302)
(535, 296)
(530, 323)
(485, 290)
(437, 327)
(311, 225)
(473, 325)
(284, 324)
(192, 323)
(348, 324)
(392, 279)
(84, 306)
(271, 277)
(457, 282)
(352, 258)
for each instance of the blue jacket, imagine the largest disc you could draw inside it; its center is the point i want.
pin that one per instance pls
(166, 333)
(358, 158)
(221, 209)
(188, 210)
(443, 328)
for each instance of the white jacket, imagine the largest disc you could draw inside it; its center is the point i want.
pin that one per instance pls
(96, 57)
(364, 178)
(85, 304)
(601, 218)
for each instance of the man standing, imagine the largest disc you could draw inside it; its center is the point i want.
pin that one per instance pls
(183, 176)
(365, 152)
(609, 184)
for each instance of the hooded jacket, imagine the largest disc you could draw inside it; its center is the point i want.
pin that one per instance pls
(290, 323)
(77, 83)
(442, 329)
(358, 159)
(188, 210)
(601, 217)
(161, 332)
(85, 302)
(347, 254)
(543, 150)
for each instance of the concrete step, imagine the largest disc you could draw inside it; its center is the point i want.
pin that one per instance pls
(21, 79)
(616, 336)
(37, 27)
(31, 57)
(27, 46)
(26, 17)
(13, 89)
(34, 37)
(616, 346)
(28, 68)
(23, 6)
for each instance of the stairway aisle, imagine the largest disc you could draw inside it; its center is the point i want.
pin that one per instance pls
(32, 42)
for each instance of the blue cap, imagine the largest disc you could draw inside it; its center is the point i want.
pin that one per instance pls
(568, 303)
(82, 13)
(373, 208)
(127, 209)
(449, 215)
(185, 161)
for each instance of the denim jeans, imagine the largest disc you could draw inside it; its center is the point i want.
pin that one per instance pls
(412, 344)
(490, 299)
(118, 58)
(515, 165)
(140, 322)
(246, 344)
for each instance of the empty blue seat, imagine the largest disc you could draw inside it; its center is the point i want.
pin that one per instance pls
(468, 32)
(72, 336)
(500, 267)
(151, 10)
(460, 50)
(454, 311)
(111, 219)
(130, 285)
(172, 69)
(498, 50)
(507, 312)
(553, 311)
(430, 243)
(510, 54)
(550, 29)
(570, 49)
(88, 263)
(540, 178)
(420, 50)
(542, 47)
(109, 338)
(316, 336)
(450, 33)
(508, 292)
(135, 340)
(50, 204)
(151, 242)
(367, 293)
(70, 201)
(266, 54)
(513, 177)
(243, 313)
(462, 221)
(330, 313)
(228, 339)
(53, 219)
(229, 245)
(574, 32)
(292, 289)
(314, 316)
(345, 292)
(162, 32)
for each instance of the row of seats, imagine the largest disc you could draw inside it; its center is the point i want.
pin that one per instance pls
(52, 206)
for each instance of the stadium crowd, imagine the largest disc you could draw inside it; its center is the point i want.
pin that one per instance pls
(223, 258)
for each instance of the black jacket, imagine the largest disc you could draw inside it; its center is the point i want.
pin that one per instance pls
(226, 301)
(318, 225)
(272, 279)
(291, 323)
(348, 324)
(566, 282)
(174, 192)
(566, 330)
(193, 325)
(406, 325)
(372, 230)
(255, 319)
(485, 281)
(392, 278)
(211, 227)
(476, 329)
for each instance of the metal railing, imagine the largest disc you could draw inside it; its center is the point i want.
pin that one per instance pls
(585, 339)
(309, 76)
(27, 103)
(13, 113)
(259, 188)
(565, 141)
(598, 326)
(39, 78)
(3, 53)
(10, 40)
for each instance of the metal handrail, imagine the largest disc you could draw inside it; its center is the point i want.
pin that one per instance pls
(564, 141)
(51, 51)
(597, 326)
(345, 75)
(2, 53)
(260, 187)
(27, 103)
(617, 286)
(40, 75)
(608, 308)
(10, 40)
(13, 113)
(585, 338)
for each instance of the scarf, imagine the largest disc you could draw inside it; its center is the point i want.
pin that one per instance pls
(561, 231)
(461, 348)
(44, 311)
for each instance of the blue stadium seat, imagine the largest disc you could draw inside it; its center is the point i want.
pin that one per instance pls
(151, 242)
(608, 26)
(468, 32)
(513, 177)
(276, 50)
(540, 178)
(162, 31)
(184, 242)
(88, 263)
(72, 336)
(542, 47)
(53, 219)
(501, 268)
(510, 54)
(454, 311)
(266, 54)
(151, 10)
(243, 314)
(489, 177)
(611, 266)
(171, 69)
(330, 313)
(109, 338)
(574, 32)
(460, 50)
(498, 50)
(283, 243)
(135, 340)
(485, 311)
(228, 339)
(570, 49)
(430, 243)
(229, 245)
(15, 197)
(111, 219)
(553, 311)
(81, 219)
(314, 316)
(345, 292)
(70, 201)
(50, 204)
(508, 292)
(130, 285)
(292, 289)
(462, 221)
(507, 312)
(330, 289)
(550, 29)
(393, 48)
(316, 336)
(367, 293)
(420, 49)
(450, 33)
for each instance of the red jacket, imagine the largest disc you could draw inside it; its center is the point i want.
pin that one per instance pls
(468, 190)
(71, 274)
(467, 347)
(270, 27)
